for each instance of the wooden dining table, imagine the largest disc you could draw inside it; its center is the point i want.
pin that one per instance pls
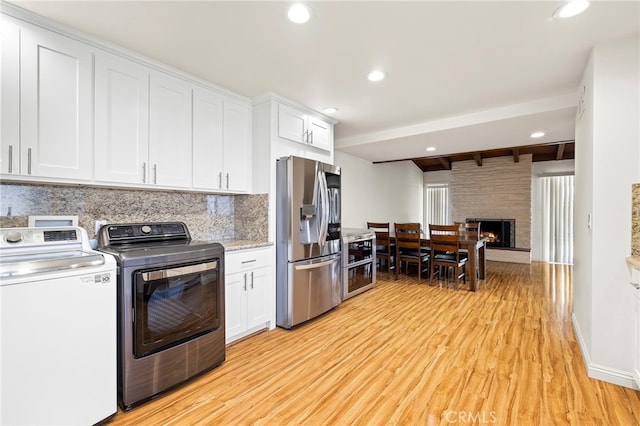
(477, 259)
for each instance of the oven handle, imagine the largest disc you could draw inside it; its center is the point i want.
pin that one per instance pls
(178, 271)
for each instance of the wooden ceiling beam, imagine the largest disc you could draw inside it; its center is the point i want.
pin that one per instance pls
(478, 158)
(445, 162)
(560, 151)
(516, 155)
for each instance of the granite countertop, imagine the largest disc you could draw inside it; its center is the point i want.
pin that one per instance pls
(232, 245)
(634, 262)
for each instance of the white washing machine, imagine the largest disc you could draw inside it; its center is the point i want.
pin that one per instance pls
(57, 328)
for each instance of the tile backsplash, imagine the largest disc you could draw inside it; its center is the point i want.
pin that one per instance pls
(209, 217)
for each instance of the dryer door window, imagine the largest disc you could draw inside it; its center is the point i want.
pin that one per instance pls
(173, 305)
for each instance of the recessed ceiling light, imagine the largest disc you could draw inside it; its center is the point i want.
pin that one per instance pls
(571, 8)
(536, 135)
(299, 13)
(431, 148)
(330, 110)
(376, 75)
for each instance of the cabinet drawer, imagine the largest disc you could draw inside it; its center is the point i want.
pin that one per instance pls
(236, 261)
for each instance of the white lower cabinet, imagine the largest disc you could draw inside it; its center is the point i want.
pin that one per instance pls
(636, 336)
(249, 286)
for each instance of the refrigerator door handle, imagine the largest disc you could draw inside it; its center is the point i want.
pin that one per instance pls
(324, 204)
(315, 265)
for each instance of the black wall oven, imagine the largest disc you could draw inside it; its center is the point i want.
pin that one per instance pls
(358, 261)
(170, 307)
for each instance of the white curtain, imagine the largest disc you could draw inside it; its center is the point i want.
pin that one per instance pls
(436, 205)
(557, 219)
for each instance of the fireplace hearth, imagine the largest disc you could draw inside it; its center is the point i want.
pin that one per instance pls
(499, 232)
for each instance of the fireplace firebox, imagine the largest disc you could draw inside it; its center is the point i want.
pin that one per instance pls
(499, 232)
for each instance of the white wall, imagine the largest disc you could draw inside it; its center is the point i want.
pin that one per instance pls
(607, 136)
(388, 192)
(538, 170)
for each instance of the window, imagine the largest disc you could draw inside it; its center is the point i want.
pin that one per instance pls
(436, 205)
(557, 218)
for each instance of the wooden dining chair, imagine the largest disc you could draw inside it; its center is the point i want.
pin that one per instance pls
(469, 230)
(445, 252)
(385, 247)
(409, 248)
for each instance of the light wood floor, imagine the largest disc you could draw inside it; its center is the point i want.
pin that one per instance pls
(410, 354)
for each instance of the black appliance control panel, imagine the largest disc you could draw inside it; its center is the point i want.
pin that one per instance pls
(143, 232)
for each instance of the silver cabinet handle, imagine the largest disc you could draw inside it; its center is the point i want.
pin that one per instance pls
(144, 172)
(311, 137)
(252, 280)
(304, 136)
(636, 285)
(248, 261)
(155, 174)
(29, 161)
(10, 158)
(227, 180)
(220, 180)
(245, 282)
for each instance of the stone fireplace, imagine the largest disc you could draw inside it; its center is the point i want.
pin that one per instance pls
(499, 190)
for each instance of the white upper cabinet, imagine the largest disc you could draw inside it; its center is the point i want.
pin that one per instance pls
(207, 140)
(320, 133)
(292, 124)
(78, 112)
(55, 105)
(121, 120)
(302, 127)
(10, 98)
(169, 131)
(221, 142)
(142, 125)
(237, 145)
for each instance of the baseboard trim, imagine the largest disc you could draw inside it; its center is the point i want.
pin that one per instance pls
(601, 372)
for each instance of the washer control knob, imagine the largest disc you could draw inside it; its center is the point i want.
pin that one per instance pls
(146, 229)
(13, 237)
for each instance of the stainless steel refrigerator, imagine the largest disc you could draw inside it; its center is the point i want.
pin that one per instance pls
(307, 238)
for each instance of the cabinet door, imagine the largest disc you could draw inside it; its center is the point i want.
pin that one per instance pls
(235, 303)
(121, 120)
(636, 338)
(292, 124)
(258, 297)
(237, 137)
(169, 131)
(207, 140)
(320, 134)
(56, 105)
(10, 98)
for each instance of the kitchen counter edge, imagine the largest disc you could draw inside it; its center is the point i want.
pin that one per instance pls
(234, 245)
(634, 262)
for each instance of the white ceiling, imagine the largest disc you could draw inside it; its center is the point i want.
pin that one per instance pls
(461, 76)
